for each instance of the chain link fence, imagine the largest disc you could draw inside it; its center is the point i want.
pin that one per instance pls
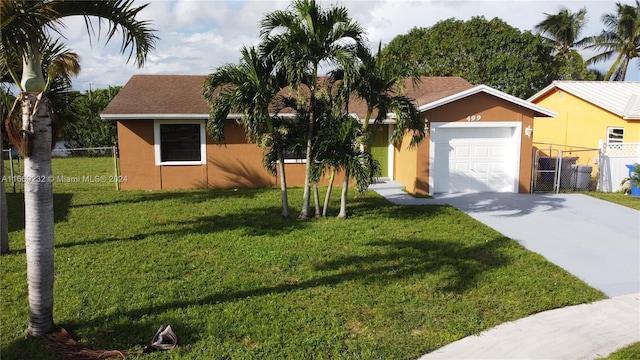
(565, 168)
(72, 168)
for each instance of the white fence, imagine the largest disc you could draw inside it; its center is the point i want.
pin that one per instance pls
(615, 158)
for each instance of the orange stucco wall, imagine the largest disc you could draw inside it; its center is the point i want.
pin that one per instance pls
(491, 109)
(235, 164)
(137, 159)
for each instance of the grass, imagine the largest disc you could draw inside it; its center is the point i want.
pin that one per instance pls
(617, 198)
(628, 352)
(235, 280)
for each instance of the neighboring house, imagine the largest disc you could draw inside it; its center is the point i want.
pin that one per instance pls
(590, 113)
(476, 141)
(593, 114)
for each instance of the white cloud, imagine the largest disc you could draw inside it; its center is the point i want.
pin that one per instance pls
(196, 36)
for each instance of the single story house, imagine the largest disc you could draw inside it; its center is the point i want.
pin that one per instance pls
(601, 115)
(590, 113)
(478, 139)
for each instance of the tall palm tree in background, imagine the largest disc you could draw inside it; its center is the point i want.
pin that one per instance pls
(563, 30)
(249, 88)
(621, 38)
(25, 27)
(59, 65)
(303, 38)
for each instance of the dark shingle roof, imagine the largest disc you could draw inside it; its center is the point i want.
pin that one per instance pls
(160, 94)
(182, 95)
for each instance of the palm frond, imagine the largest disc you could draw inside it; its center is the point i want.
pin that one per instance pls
(120, 16)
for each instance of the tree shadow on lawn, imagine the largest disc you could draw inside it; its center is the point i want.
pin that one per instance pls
(263, 221)
(186, 196)
(15, 206)
(246, 221)
(396, 260)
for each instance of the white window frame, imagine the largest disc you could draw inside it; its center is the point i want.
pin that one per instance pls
(610, 129)
(291, 160)
(156, 142)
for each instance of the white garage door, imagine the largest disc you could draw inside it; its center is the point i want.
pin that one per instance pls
(477, 159)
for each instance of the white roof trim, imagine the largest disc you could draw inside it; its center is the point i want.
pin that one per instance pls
(201, 117)
(154, 116)
(170, 116)
(491, 91)
(632, 110)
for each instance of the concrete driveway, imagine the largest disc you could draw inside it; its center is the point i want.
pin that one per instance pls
(597, 241)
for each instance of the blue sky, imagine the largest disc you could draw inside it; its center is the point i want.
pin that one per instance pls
(196, 36)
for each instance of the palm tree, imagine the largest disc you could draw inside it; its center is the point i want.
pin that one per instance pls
(249, 88)
(303, 38)
(25, 26)
(563, 29)
(621, 36)
(379, 83)
(59, 64)
(337, 149)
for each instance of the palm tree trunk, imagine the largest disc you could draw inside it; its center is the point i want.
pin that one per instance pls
(328, 195)
(625, 66)
(4, 222)
(343, 195)
(306, 195)
(38, 204)
(316, 199)
(283, 184)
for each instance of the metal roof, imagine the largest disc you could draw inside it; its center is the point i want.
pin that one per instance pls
(618, 97)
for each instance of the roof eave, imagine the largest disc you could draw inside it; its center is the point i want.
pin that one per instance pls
(154, 116)
(542, 92)
(540, 111)
(203, 117)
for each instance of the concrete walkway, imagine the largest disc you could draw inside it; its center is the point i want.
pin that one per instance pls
(587, 331)
(595, 240)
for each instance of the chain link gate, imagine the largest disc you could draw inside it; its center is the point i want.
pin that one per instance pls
(564, 168)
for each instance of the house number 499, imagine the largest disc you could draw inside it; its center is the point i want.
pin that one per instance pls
(474, 118)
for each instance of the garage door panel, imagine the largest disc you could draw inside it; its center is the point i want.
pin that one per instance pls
(462, 151)
(462, 167)
(481, 168)
(481, 151)
(474, 160)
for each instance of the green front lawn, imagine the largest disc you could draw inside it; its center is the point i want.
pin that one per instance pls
(626, 353)
(234, 280)
(618, 198)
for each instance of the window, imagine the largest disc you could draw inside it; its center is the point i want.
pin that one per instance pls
(179, 143)
(292, 157)
(615, 135)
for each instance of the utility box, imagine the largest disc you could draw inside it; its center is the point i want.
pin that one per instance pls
(581, 176)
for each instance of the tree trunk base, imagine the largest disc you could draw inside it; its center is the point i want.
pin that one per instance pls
(61, 342)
